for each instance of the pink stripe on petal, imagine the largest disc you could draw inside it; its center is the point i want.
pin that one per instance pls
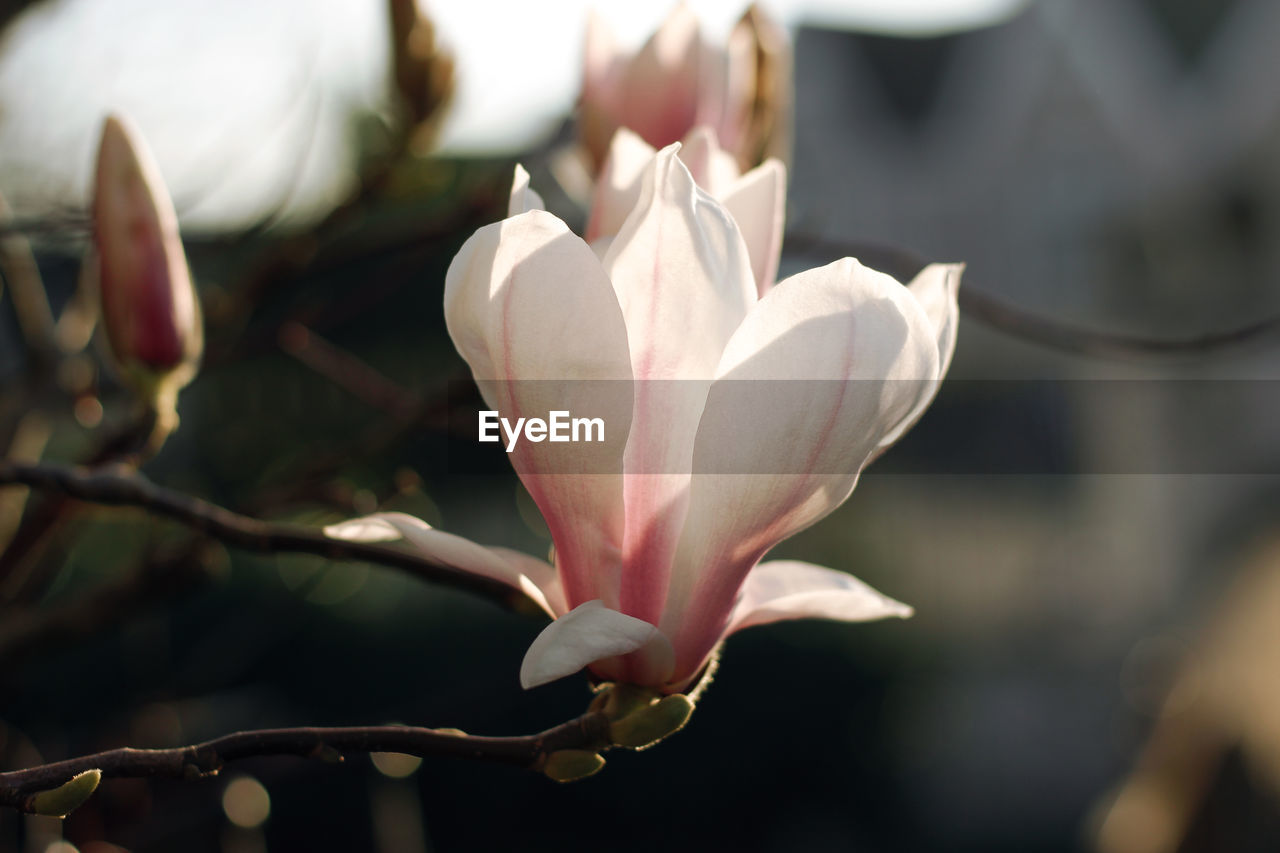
(531, 310)
(683, 279)
(868, 337)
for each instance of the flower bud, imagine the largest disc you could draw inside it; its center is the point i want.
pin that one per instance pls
(67, 797)
(677, 81)
(570, 765)
(647, 726)
(150, 311)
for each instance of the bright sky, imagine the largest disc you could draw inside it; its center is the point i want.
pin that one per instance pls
(238, 98)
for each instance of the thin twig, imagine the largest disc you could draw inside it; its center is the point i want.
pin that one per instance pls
(346, 370)
(21, 579)
(122, 487)
(590, 732)
(1045, 331)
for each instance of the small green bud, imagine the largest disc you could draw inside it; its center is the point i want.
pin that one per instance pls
(621, 700)
(651, 724)
(68, 797)
(451, 731)
(570, 765)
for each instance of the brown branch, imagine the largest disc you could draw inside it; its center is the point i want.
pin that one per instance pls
(995, 313)
(589, 732)
(22, 578)
(346, 370)
(122, 487)
(1041, 330)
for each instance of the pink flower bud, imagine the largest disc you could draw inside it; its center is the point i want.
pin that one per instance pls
(677, 81)
(149, 307)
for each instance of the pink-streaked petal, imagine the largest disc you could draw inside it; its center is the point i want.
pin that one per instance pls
(758, 202)
(682, 275)
(523, 197)
(683, 279)
(532, 576)
(527, 300)
(661, 83)
(935, 288)
(790, 589)
(618, 187)
(592, 633)
(713, 168)
(826, 364)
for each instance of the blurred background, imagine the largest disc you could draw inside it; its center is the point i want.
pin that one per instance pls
(1090, 540)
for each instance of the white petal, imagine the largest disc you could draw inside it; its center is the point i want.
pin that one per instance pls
(618, 187)
(523, 198)
(935, 288)
(758, 202)
(527, 300)
(789, 589)
(532, 576)
(371, 528)
(713, 168)
(778, 447)
(589, 633)
(684, 283)
(681, 273)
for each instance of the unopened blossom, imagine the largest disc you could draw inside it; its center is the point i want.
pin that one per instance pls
(150, 311)
(678, 80)
(740, 415)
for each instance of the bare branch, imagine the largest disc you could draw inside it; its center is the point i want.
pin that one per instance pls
(588, 732)
(1045, 331)
(120, 486)
(347, 371)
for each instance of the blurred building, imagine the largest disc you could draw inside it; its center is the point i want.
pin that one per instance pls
(1111, 165)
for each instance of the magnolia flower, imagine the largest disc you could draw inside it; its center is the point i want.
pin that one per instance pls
(678, 81)
(150, 311)
(742, 415)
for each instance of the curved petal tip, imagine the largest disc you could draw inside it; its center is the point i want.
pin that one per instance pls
(590, 632)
